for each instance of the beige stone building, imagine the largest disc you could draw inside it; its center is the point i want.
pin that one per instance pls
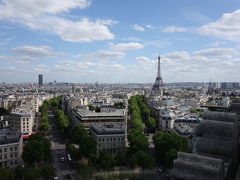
(111, 138)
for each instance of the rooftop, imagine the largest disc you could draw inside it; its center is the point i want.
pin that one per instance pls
(85, 112)
(8, 137)
(102, 129)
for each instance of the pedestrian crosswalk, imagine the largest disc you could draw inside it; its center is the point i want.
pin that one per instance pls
(65, 172)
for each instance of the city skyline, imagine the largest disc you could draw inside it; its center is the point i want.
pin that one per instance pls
(87, 41)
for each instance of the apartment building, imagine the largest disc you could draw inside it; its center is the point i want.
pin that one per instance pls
(111, 138)
(22, 119)
(10, 148)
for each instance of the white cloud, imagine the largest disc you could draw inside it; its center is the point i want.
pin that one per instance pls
(126, 46)
(172, 29)
(5, 57)
(103, 55)
(31, 8)
(217, 43)
(138, 27)
(227, 27)
(177, 56)
(150, 26)
(46, 15)
(6, 41)
(35, 51)
(86, 66)
(83, 30)
(217, 52)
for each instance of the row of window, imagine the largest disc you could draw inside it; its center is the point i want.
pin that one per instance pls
(5, 156)
(110, 139)
(110, 145)
(5, 163)
(11, 149)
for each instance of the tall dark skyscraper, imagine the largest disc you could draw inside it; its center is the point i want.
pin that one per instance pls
(40, 79)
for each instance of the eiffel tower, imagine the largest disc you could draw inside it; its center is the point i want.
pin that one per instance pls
(157, 86)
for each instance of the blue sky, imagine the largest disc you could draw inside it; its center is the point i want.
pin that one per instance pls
(118, 41)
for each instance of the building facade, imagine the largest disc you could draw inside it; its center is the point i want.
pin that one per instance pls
(89, 118)
(22, 120)
(40, 79)
(110, 138)
(11, 144)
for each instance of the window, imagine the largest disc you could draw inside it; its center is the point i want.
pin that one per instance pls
(0, 150)
(15, 154)
(5, 149)
(0, 157)
(11, 155)
(16, 148)
(5, 156)
(11, 148)
(99, 140)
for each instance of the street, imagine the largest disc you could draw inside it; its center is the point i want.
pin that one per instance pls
(60, 160)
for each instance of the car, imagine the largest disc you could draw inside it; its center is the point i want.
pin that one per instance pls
(159, 170)
(55, 178)
(62, 159)
(69, 157)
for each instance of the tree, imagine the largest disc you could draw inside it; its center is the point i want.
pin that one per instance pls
(137, 141)
(119, 105)
(84, 171)
(6, 174)
(169, 157)
(47, 171)
(91, 107)
(73, 151)
(105, 161)
(121, 158)
(144, 160)
(37, 149)
(89, 147)
(132, 161)
(32, 152)
(19, 172)
(44, 126)
(97, 109)
(62, 120)
(164, 142)
(31, 173)
(36, 137)
(151, 123)
(46, 150)
(78, 134)
(87, 144)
